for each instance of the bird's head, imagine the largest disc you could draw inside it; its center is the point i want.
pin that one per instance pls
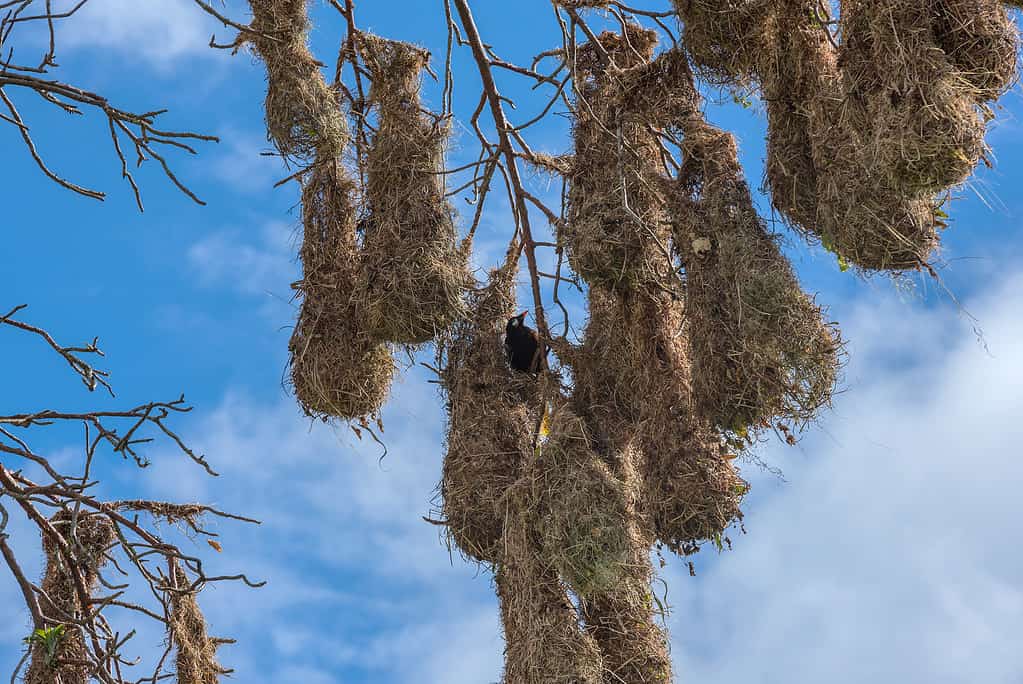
(517, 321)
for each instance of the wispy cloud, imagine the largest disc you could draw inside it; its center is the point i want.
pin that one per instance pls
(160, 33)
(245, 261)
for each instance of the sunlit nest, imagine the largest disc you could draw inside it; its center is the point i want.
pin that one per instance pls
(760, 350)
(725, 39)
(303, 114)
(981, 41)
(692, 491)
(583, 516)
(337, 369)
(491, 416)
(792, 72)
(543, 638)
(414, 274)
(615, 220)
(196, 652)
(926, 132)
(86, 537)
(821, 157)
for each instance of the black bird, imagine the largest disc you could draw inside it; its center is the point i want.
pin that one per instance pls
(522, 344)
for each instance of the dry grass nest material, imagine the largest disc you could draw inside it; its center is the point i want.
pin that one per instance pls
(820, 163)
(615, 207)
(582, 509)
(544, 642)
(760, 348)
(634, 365)
(692, 491)
(337, 369)
(927, 133)
(196, 658)
(86, 541)
(982, 42)
(624, 622)
(725, 39)
(660, 92)
(414, 274)
(491, 414)
(792, 70)
(303, 114)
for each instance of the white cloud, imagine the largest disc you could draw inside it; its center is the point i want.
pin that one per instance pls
(248, 262)
(160, 32)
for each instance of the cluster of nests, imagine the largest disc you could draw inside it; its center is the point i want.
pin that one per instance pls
(867, 130)
(381, 262)
(699, 336)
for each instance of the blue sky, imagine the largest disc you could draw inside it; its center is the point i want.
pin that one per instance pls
(888, 552)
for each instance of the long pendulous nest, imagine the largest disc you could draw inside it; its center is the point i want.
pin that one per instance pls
(725, 38)
(337, 369)
(303, 114)
(690, 491)
(86, 538)
(414, 274)
(196, 652)
(624, 620)
(821, 164)
(490, 421)
(543, 639)
(614, 203)
(760, 349)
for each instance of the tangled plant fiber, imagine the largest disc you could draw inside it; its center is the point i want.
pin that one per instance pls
(303, 114)
(760, 349)
(196, 658)
(614, 202)
(981, 41)
(490, 421)
(821, 165)
(582, 509)
(927, 133)
(337, 369)
(414, 274)
(725, 39)
(543, 640)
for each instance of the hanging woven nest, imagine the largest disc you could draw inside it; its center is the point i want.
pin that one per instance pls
(303, 114)
(491, 415)
(760, 349)
(414, 275)
(615, 209)
(196, 653)
(337, 370)
(926, 132)
(792, 77)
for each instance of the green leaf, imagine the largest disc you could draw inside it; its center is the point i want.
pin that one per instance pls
(843, 265)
